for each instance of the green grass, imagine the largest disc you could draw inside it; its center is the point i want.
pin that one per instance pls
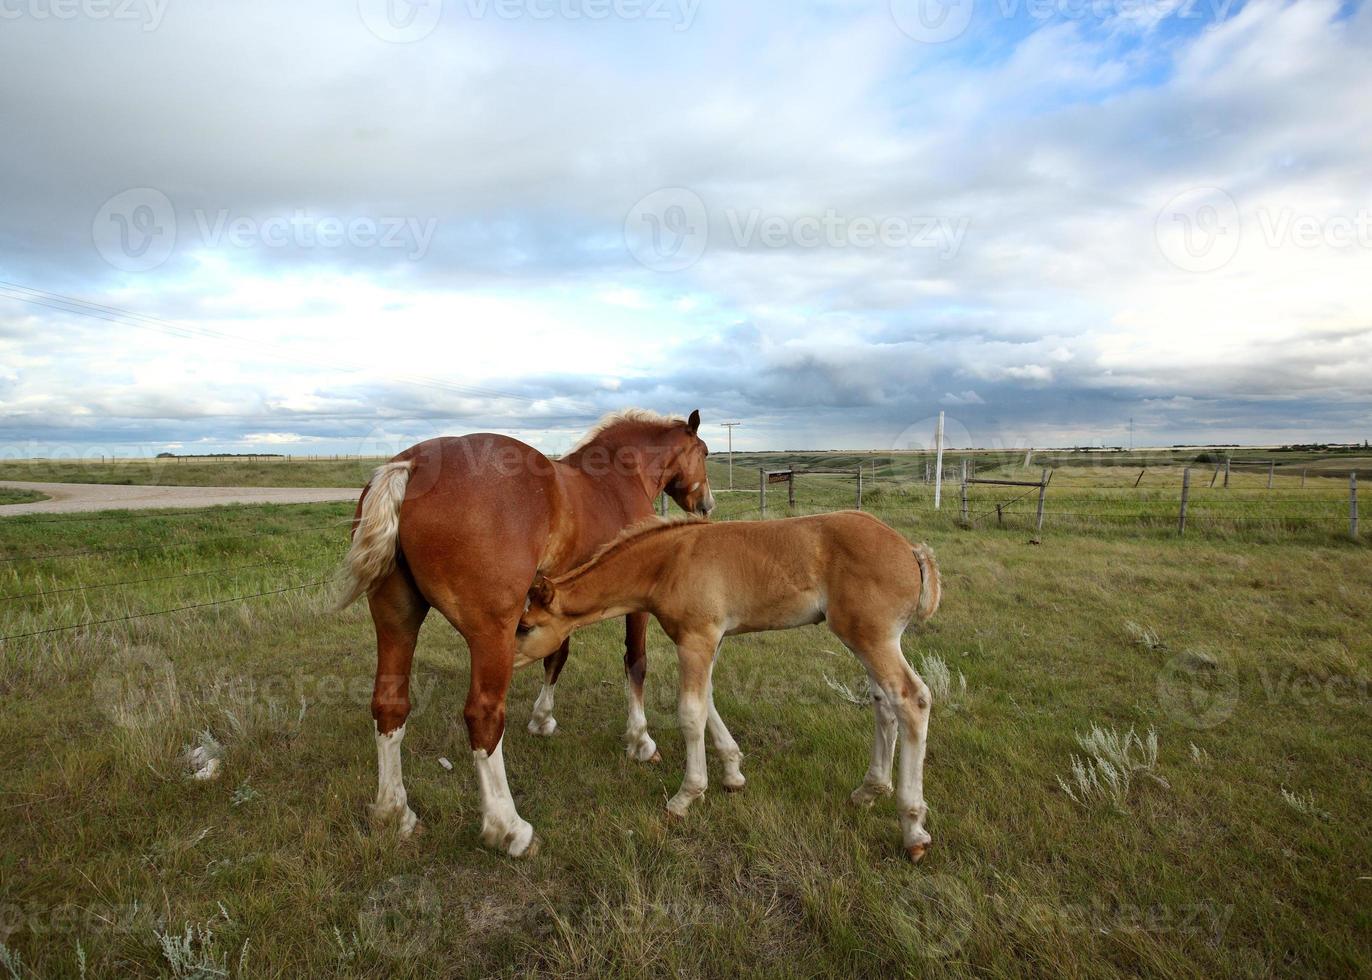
(11, 495)
(1245, 650)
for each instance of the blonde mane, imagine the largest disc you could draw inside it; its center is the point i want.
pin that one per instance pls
(626, 415)
(633, 532)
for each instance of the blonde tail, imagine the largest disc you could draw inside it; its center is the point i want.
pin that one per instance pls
(931, 587)
(372, 555)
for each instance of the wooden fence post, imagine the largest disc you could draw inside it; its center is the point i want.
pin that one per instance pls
(1302, 479)
(791, 490)
(1214, 476)
(859, 489)
(1271, 471)
(1185, 495)
(1140, 479)
(1000, 516)
(1043, 489)
(762, 489)
(965, 520)
(662, 503)
(1353, 505)
(1226, 472)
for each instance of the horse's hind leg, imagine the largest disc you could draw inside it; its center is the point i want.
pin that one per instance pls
(492, 644)
(725, 745)
(541, 720)
(398, 610)
(638, 744)
(906, 697)
(877, 782)
(910, 698)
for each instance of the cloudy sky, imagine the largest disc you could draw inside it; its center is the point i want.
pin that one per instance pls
(325, 227)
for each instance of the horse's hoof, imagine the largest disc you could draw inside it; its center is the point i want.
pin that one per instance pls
(917, 851)
(531, 851)
(655, 757)
(737, 788)
(543, 727)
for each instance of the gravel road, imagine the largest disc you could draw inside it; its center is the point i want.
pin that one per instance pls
(74, 497)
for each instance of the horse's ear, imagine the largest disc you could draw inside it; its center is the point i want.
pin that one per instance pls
(693, 423)
(542, 591)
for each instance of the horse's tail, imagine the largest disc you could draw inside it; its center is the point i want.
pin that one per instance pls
(931, 586)
(372, 555)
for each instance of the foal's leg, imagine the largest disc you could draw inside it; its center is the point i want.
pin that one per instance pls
(910, 698)
(877, 782)
(725, 745)
(493, 650)
(637, 742)
(541, 721)
(398, 610)
(696, 659)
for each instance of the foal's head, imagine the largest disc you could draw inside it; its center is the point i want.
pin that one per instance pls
(687, 482)
(542, 628)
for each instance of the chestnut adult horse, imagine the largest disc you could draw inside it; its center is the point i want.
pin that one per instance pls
(462, 525)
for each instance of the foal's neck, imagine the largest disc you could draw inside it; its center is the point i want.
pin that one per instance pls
(623, 579)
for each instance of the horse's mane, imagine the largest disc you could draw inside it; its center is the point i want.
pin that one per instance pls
(633, 532)
(641, 416)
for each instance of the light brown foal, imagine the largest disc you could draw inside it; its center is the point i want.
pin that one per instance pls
(704, 582)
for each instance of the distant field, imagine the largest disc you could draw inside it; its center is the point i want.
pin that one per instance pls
(1247, 853)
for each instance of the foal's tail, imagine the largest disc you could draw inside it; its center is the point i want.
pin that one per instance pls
(372, 555)
(931, 586)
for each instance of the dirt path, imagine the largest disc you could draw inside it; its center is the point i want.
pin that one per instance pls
(73, 497)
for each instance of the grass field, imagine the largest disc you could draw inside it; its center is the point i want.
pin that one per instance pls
(12, 495)
(1246, 850)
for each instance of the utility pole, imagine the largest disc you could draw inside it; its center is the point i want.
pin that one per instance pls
(730, 426)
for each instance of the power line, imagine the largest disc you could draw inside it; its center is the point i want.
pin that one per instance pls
(162, 612)
(171, 547)
(142, 581)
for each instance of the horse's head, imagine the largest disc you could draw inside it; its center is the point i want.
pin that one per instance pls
(687, 482)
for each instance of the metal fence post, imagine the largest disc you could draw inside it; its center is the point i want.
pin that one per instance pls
(1185, 495)
(1353, 505)
(859, 489)
(762, 489)
(1043, 489)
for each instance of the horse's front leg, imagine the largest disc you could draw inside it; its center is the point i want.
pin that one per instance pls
(637, 742)
(541, 720)
(696, 660)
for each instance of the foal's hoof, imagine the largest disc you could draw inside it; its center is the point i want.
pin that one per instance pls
(542, 726)
(917, 851)
(867, 794)
(735, 787)
(656, 757)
